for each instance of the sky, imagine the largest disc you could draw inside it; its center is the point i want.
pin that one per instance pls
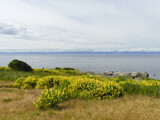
(80, 25)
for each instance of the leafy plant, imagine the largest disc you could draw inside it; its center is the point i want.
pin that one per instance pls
(26, 83)
(50, 98)
(19, 65)
(51, 81)
(90, 88)
(30, 82)
(19, 82)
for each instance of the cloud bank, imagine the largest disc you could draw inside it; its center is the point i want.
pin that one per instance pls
(98, 25)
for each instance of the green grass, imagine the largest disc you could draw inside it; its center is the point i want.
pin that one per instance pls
(131, 89)
(12, 75)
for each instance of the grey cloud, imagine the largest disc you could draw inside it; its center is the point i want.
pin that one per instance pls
(18, 31)
(11, 29)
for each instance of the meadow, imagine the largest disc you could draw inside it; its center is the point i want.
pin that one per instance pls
(70, 94)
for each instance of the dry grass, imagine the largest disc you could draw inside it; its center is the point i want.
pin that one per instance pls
(17, 104)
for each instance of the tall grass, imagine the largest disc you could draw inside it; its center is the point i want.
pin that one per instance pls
(147, 86)
(131, 89)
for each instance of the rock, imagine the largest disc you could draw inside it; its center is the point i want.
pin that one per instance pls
(144, 74)
(126, 74)
(117, 73)
(134, 74)
(140, 74)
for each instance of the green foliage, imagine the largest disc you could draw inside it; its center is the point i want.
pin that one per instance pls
(131, 88)
(19, 65)
(50, 98)
(26, 83)
(51, 81)
(57, 68)
(74, 87)
(5, 68)
(70, 84)
(8, 74)
(19, 82)
(148, 87)
(61, 71)
(121, 78)
(29, 82)
(90, 88)
(67, 68)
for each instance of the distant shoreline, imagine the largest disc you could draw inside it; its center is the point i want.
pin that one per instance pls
(87, 53)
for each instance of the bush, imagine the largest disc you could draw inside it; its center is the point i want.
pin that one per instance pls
(67, 68)
(19, 65)
(57, 68)
(26, 83)
(29, 83)
(19, 82)
(51, 98)
(52, 81)
(90, 88)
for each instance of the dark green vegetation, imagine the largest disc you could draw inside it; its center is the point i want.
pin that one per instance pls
(19, 65)
(65, 68)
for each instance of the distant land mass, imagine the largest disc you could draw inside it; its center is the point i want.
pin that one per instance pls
(86, 52)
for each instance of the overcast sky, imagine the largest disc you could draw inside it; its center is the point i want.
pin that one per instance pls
(97, 25)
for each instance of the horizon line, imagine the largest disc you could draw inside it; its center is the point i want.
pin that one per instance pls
(79, 52)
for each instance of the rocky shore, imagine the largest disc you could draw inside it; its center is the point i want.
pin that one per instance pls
(133, 74)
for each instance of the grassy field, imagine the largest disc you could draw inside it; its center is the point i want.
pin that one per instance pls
(125, 99)
(17, 104)
(10, 75)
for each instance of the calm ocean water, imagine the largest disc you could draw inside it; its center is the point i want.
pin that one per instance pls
(95, 63)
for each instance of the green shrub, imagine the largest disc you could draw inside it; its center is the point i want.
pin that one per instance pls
(19, 65)
(57, 68)
(19, 82)
(51, 81)
(26, 83)
(29, 83)
(67, 68)
(50, 98)
(90, 88)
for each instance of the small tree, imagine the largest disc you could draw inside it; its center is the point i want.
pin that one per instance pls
(19, 65)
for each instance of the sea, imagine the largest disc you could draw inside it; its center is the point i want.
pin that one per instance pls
(98, 63)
